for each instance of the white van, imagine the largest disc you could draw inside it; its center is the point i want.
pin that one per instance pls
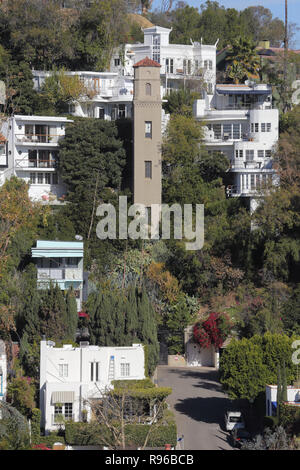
(234, 420)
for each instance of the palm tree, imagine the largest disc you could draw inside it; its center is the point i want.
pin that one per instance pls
(243, 61)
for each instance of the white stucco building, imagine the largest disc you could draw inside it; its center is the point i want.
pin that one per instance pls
(179, 62)
(30, 152)
(293, 398)
(3, 370)
(110, 94)
(241, 123)
(71, 377)
(60, 263)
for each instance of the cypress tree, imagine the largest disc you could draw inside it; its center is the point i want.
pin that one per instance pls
(131, 316)
(120, 320)
(284, 383)
(279, 391)
(53, 313)
(71, 315)
(148, 329)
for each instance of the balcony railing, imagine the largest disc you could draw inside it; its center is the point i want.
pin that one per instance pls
(36, 163)
(250, 164)
(245, 106)
(38, 138)
(50, 273)
(68, 273)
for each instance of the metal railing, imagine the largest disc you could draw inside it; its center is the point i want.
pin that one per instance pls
(30, 163)
(244, 106)
(39, 138)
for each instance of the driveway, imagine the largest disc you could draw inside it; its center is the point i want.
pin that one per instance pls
(199, 405)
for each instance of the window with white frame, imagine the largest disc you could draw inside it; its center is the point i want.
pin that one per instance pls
(63, 370)
(68, 411)
(169, 65)
(249, 155)
(268, 153)
(236, 131)
(208, 65)
(63, 410)
(125, 369)
(94, 371)
(260, 153)
(58, 409)
(43, 178)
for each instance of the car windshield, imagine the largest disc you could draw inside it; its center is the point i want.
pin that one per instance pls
(243, 433)
(235, 419)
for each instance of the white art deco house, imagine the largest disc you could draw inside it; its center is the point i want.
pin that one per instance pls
(241, 122)
(71, 377)
(110, 94)
(178, 62)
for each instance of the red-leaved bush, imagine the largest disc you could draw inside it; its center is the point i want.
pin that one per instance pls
(212, 331)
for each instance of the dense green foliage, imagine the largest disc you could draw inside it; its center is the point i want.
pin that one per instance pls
(247, 365)
(93, 434)
(120, 318)
(91, 156)
(213, 21)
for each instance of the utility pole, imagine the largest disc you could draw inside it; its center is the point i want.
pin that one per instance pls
(285, 64)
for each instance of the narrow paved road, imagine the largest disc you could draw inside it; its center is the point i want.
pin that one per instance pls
(199, 405)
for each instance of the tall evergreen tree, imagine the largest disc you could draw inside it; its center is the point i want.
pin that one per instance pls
(71, 315)
(279, 391)
(119, 320)
(53, 314)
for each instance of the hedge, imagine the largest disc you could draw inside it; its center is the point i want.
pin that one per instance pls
(135, 434)
(289, 418)
(133, 384)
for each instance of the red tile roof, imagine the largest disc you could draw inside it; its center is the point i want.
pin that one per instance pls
(2, 138)
(147, 63)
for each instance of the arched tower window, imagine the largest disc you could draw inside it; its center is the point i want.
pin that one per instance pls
(148, 89)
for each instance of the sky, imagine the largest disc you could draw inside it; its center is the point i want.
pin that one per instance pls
(277, 8)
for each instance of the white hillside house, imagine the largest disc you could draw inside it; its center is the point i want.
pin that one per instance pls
(110, 94)
(241, 123)
(70, 377)
(30, 152)
(179, 62)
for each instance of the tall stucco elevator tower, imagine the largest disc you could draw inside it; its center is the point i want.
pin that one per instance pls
(147, 110)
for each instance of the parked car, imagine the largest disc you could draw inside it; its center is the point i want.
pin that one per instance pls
(238, 437)
(234, 420)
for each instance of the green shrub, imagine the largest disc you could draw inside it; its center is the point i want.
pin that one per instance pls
(270, 422)
(82, 434)
(158, 437)
(133, 384)
(35, 426)
(290, 418)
